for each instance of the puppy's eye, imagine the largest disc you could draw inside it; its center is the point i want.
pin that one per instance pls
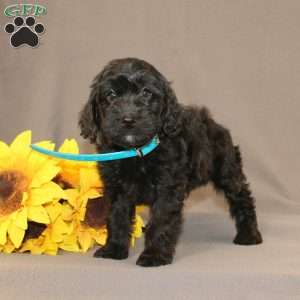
(111, 94)
(146, 93)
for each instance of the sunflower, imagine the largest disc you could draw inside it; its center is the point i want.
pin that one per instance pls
(61, 233)
(48, 204)
(69, 176)
(25, 188)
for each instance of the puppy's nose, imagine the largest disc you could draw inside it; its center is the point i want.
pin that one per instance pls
(128, 121)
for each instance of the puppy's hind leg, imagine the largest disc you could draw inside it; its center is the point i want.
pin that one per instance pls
(230, 178)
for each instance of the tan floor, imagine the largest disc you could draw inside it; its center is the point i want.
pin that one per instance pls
(207, 266)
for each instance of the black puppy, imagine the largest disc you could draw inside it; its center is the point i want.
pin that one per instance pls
(130, 103)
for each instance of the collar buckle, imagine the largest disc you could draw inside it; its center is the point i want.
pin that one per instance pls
(139, 152)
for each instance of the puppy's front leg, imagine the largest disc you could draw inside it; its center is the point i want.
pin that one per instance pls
(119, 227)
(163, 229)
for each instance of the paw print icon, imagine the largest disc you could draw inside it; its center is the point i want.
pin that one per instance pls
(24, 31)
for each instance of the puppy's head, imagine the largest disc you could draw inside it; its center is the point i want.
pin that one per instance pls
(130, 102)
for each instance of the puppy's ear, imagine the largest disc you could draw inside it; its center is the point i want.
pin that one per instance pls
(89, 118)
(172, 112)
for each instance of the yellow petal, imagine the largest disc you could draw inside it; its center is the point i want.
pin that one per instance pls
(91, 194)
(36, 159)
(46, 173)
(58, 230)
(16, 234)
(4, 150)
(82, 213)
(67, 212)
(70, 244)
(21, 219)
(70, 169)
(72, 197)
(36, 250)
(51, 249)
(24, 198)
(8, 247)
(138, 227)
(6, 163)
(69, 146)
(88, 177)
(85, 240)
(35, 246)
(101, 237)
(93, 177)
(21, 145)
(38, 214)
(26, 246)
(54, 211)
(46, 193)
(3, 231)
(5, 156)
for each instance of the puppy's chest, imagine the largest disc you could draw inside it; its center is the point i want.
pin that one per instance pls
(146, 185)
(140, 175)
(134, 176)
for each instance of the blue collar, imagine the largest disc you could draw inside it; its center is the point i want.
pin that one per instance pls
(142, 151)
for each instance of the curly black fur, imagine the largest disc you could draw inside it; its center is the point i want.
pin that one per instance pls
(130, 102)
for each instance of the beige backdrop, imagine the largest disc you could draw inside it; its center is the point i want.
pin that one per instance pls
(239, 58)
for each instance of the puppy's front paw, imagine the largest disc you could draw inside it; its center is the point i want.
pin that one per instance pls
(151, 259)
(248, 238)
(113, 251)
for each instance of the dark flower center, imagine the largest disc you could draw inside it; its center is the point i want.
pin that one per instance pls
(62, 182)
(34, 230)
(12, 185)
(96, 212)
